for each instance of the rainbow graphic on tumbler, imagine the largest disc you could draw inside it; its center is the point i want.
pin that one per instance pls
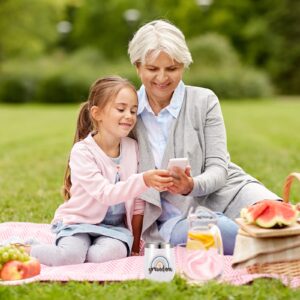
(160, 264)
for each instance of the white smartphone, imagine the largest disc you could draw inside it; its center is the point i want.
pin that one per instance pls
(181, 163)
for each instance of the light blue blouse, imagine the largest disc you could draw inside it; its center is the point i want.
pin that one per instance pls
(158, 128)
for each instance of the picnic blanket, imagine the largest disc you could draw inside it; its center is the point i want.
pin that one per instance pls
(130, 268)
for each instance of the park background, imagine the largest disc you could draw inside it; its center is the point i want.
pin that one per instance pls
(51, 50)
(247, 52)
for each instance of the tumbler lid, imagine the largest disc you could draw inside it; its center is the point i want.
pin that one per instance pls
(158, 245)
(165, 245)
(152, 245)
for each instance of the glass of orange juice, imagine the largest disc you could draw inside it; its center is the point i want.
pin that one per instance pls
(203, 254)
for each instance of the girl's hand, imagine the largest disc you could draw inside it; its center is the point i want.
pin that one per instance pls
(160, 180)
(183, 183)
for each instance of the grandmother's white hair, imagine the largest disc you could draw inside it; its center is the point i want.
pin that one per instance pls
(159, 36)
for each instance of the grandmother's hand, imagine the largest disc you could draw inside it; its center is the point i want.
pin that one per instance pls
(182, 181)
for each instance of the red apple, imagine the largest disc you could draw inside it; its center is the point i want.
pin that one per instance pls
(13, 270)
(33, 267)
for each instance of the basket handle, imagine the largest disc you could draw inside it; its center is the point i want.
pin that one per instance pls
(287, 185)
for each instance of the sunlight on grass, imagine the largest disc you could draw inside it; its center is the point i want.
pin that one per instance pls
(263, 139)
(34, 147)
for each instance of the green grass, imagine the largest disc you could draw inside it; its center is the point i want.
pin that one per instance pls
(263, 138)
(176, 290)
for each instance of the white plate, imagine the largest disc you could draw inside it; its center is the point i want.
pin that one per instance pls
(18, 282)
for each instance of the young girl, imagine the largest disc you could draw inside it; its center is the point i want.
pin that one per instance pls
(96, 221)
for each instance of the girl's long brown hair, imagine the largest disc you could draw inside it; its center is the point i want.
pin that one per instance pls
(102, 91)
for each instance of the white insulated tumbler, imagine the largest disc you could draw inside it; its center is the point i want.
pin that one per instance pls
(159, 262)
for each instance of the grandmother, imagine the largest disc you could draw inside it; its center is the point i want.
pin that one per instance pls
(177, 120)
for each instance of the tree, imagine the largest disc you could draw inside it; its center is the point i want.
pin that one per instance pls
(284, 61)
(28, 27)
(102, 24)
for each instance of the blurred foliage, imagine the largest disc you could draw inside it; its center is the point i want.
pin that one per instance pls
(27, 27)
(284, 61)
(63, 78)
(214, 51)
(93, 39)
(16, 89)
(62, 88)
(218, 67)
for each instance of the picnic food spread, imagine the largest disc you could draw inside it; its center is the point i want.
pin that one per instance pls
(270, 213)
(16, 264)
(268, 241)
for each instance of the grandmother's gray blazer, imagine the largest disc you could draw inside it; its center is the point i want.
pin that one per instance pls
(199, 134)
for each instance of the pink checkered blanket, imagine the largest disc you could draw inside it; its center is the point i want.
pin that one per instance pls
(130, 268)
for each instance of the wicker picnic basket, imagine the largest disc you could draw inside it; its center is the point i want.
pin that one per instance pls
(288, 268)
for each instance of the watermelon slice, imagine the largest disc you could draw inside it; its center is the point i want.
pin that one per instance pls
(270, 213)
(251, 213)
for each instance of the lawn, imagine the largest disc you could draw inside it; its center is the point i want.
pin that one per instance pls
(263, 138)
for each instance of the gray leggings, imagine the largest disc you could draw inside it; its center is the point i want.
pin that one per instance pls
(78, 249)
